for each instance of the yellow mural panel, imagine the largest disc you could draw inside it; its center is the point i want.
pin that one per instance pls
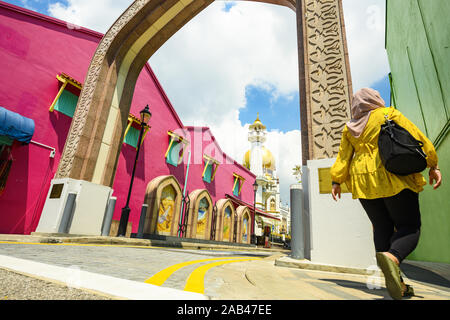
(325, 182)
(166, 209)
(244, 230)
(227, 224)
(202, 216)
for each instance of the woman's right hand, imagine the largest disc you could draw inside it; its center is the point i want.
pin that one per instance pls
(336, 192)
(435, 175)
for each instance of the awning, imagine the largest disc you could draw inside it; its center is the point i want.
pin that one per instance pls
(267, 215)
(268, 221)
(15, 126)
(258, 211)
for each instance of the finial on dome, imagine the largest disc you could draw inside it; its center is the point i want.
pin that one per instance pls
(258, 124)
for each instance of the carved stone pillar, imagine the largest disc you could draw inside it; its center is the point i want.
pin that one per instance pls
(325, 79)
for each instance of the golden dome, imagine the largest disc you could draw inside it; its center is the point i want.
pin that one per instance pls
(268, 159)
(257, 124)
(247, 159)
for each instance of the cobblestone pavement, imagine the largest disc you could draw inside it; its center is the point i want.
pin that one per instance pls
(14, 286)
(250, 280)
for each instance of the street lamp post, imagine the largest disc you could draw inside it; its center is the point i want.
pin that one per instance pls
(255, 189)
(145, 118)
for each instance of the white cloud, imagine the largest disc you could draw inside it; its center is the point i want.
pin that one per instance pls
(222, 53)
(287, 150)
(365, 28)
(97, 15)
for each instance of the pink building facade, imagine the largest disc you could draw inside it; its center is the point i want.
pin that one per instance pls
(43, 63)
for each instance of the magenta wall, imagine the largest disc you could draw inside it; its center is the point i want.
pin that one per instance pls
(33, 50)
(203, 142)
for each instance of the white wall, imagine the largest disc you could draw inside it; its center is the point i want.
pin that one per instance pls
(341, 232)
(88, 212)
(90, 209)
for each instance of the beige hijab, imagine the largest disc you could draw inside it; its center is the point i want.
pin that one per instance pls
(364, 102)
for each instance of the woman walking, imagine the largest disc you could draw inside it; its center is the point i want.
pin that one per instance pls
(390, 201)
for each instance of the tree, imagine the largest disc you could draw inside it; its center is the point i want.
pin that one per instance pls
(297, 172)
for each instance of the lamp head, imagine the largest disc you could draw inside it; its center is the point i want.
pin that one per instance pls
(255, 186)
(145, 115)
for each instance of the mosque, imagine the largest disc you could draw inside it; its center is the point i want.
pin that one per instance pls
(261, 162)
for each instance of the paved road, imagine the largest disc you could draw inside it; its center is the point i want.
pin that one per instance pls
(137, 264)
(219, 275)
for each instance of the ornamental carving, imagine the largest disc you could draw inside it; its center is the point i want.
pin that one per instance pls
(328, 76)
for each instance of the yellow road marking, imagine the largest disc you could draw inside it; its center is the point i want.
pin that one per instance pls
(161, 277)
(196, 281)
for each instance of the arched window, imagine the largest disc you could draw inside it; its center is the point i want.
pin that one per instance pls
(244, 224)
(273, 205)
(225, 221)
(202, 217)
(227, 224)
(163, 197)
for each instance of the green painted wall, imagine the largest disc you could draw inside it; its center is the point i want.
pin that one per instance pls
(418, 47)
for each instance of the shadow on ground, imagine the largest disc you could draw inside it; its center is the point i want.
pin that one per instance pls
(426, 276)
(381, 293)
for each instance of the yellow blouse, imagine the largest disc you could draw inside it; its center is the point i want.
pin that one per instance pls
(359, 165)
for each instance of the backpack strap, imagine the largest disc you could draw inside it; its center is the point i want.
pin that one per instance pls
(386, 113)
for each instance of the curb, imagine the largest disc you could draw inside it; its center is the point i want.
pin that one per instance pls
(112, 287)
(46, 238)
(308, 265)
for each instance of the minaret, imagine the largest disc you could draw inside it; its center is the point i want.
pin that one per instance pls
(261, 162)
(257, 136)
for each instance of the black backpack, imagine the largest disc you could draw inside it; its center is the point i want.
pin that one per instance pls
(400, 152)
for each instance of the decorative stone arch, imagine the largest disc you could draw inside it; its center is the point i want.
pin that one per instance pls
(197, 199)
(95, 137)
(163, 214)
(244, 225)
(224, 225)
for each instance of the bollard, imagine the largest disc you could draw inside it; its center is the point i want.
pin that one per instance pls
(140, 234)
(67, 217)
(297, 239)
(106, 227)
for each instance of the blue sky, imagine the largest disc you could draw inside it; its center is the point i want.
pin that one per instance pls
(276, 112)
(36, 5)
(283, 112)
(228, 5)
(384, 88)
